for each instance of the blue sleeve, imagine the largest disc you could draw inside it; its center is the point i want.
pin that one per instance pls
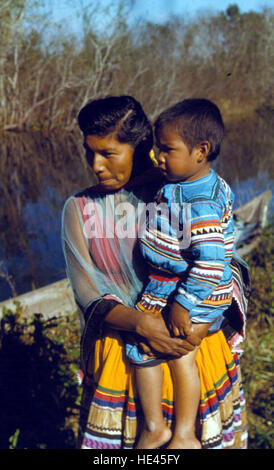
(205, 255)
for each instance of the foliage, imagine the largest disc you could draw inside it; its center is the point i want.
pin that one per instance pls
(38, 392)
(47, 74)
(260, 260)
(257, 361)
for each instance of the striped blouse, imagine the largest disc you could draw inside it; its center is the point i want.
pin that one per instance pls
(188, 243)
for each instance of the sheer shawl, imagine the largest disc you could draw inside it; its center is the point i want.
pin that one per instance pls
(99, 235)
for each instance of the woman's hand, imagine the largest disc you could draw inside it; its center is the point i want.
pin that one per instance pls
(158, 340)
(153, 330)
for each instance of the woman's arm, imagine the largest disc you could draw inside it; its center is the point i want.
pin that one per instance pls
(77, 257)
(153, 329)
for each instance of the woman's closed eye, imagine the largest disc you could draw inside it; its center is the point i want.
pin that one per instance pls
(102, 153)
(107, 154)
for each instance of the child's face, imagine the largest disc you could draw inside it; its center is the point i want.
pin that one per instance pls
(176, 161)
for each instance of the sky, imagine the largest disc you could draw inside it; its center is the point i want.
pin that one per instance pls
(158, 11)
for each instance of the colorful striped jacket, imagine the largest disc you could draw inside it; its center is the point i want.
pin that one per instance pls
(194, 269)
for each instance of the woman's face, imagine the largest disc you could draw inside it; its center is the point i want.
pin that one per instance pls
(110, 160)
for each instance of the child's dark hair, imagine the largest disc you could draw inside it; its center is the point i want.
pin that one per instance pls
(124, 117)
(195, 120)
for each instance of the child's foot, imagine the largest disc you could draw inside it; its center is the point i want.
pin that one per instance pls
(154, 439)
(184, 443)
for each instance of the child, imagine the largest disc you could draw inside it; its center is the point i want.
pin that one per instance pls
(196, 281)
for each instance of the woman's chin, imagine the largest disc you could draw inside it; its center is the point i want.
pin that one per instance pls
(110, 185)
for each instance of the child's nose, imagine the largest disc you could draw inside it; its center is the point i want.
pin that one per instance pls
(161, 157)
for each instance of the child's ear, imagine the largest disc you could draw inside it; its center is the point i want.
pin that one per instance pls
(203, 149)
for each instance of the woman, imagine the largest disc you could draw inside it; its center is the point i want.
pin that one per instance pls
(107, 274)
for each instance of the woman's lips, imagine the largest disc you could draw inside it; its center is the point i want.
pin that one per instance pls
(105, 180)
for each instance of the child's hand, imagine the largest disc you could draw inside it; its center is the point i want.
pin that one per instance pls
(179, 321)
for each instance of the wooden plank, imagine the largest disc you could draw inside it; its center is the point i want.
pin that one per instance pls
(53, 300)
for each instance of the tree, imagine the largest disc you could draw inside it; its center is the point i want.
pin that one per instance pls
(11, 16)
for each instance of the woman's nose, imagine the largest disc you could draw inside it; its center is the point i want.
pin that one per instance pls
(98, 164)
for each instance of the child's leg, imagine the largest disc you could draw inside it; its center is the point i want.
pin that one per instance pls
(186, 385)
(149, 382)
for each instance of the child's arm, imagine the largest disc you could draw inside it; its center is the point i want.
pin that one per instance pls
(206, 255)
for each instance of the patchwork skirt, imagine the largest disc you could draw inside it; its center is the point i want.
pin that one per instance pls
(111, 416)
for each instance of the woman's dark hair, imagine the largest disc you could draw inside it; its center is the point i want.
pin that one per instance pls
(124, 117)
(195, 120)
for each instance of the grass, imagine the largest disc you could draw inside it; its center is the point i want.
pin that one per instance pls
(40, 395)
(258, 359)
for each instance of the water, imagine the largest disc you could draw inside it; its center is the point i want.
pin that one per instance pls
(38, 174)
